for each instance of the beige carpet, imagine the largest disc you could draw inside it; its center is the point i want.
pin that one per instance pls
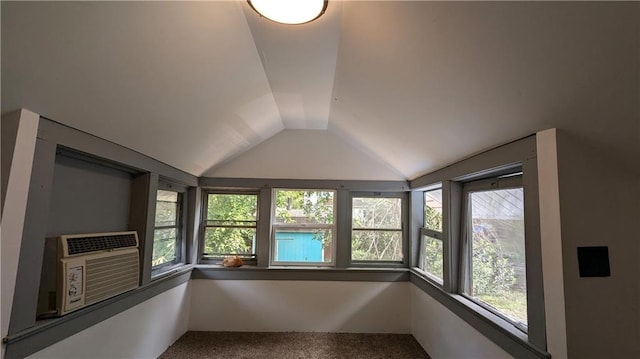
(295, 346)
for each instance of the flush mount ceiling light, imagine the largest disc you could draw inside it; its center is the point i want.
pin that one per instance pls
(289, 11)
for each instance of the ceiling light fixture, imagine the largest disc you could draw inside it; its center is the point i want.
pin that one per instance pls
(289, 11)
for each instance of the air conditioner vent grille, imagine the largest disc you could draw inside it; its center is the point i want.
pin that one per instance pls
(109, 276)
(81, 245)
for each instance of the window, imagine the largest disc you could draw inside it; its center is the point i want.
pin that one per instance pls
(487, 262)
(431, 246)
(303, 227)
(230, 225)
(494, 259)
(376, 229)
(167, 234)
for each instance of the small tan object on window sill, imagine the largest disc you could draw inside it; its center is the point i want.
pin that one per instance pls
(232, 262)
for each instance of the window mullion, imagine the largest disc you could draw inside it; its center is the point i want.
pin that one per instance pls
(533, 254)
(343, 228)
(465, 265)
(416, 222)
(226, 226)
(166, 227)
(303, 226)
(378, 229)
(431, 233)
(452, 222)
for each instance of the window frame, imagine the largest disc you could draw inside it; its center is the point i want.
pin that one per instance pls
(517, 155)
(248, 260)
(333, 228)
(438, 235)
(403, 196)
(506, 181)
(181, 228)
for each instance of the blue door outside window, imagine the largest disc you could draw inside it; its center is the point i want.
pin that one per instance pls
(298, 247)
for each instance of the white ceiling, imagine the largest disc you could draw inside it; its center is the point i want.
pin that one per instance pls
(410, 86)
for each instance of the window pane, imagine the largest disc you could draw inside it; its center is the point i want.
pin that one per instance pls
(165, 239)
(167, 196)
(230, 225)
(304, 207)
(313, 245)
(232, 207)
(224, 241)
(498, 275)
(164, 246)
(383, 213)
(376, 245)
(166, 213)
(433, 210)
(432, 259)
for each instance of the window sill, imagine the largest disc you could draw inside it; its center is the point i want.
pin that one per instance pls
(428, 277)
(300, 273)
(497, 329)
(168, 270)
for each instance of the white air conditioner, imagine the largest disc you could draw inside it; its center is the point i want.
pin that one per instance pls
(88, 268)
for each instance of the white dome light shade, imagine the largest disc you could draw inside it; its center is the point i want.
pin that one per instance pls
(289, 11)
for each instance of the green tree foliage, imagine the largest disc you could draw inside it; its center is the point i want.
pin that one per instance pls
(492, 269)
(164, 246)
(433, 219)
(493, 276)
(377, 229)
(494, 262)
(315, 206)
(433, 259)
(231, 221)
(286, 201)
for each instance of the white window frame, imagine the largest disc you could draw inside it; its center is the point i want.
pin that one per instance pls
(217, 257)
(306, 226)
(403, 227)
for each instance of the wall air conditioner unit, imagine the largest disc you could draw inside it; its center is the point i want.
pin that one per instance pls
(88, 268)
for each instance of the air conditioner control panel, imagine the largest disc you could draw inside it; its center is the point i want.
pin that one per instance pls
(74, 284)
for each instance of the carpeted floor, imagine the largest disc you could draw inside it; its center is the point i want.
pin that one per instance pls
(230, 345)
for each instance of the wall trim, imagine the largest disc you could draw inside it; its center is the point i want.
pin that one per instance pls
(94, 146)
(500, 158)
(302, 274)
(358, 185)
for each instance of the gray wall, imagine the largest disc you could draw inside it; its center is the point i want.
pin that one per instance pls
(88, 198)
(77, 183)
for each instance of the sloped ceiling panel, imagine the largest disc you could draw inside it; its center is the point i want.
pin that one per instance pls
(413, 85)
(180, 82)
(424, 84)
(300, 63)
(306, 154)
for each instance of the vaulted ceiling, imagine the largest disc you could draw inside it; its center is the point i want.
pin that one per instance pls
(383, 90)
